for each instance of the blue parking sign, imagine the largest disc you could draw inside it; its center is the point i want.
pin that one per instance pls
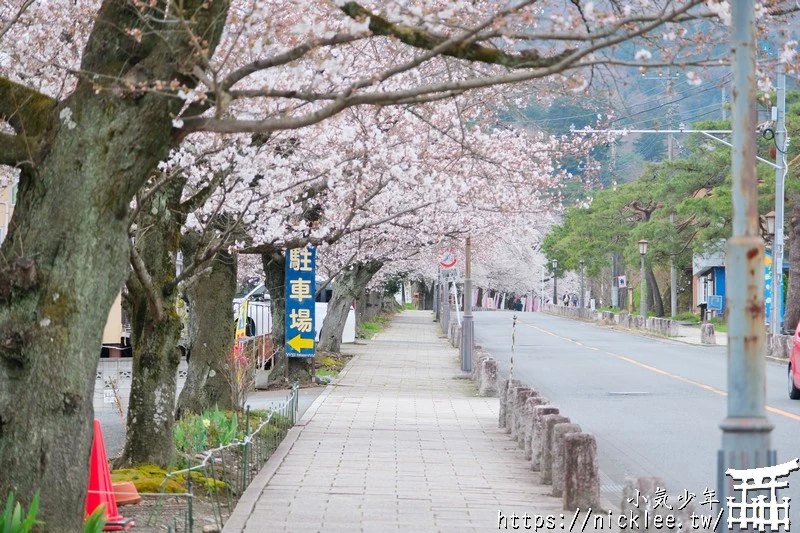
(300, 297)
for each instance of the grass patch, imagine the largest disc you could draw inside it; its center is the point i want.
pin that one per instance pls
(152, 479)
(370, 328)
(719, 324)
(410, 306)
(687, 316)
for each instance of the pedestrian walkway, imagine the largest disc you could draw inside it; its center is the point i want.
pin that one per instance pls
(691, 335)
(400, 443)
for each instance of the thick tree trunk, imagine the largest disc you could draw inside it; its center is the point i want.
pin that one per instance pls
(654, 301)
(210, 313)
(65, 256)
(155, 331)
(350, 283)
(792, 314)
(275, 281)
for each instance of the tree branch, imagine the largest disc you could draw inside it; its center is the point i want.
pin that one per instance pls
(147, 283)
(15, 18)
(419, 38)
(26, 110)
(15, 150)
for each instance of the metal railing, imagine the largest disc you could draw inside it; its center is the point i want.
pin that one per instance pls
(215, 479)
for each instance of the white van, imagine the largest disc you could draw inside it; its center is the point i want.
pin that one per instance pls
(259, 317)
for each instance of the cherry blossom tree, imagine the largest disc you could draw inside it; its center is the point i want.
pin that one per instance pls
(94, 95)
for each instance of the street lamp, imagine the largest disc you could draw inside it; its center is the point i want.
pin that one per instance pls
(555, 281)
(770, 223)
(581, 261)
(642, 302)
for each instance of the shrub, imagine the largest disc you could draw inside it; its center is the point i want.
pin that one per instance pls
(213, 428)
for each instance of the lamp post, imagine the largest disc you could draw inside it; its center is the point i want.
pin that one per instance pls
(642, 301)
(582, 291)
(774, 314)
(468, 327)
(555, 281)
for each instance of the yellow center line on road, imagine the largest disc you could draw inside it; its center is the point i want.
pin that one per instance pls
(657, 370)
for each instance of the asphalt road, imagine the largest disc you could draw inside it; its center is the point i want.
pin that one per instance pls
(653, 405)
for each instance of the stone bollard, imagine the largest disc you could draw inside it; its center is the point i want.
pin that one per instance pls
(537, 434)
(487, 384)
(549, 422)
(707, 334)
(523, 424)
(532, 403)
(510, 399)
(501, 417)
(559, 431)
(581, 474)
(523, 393)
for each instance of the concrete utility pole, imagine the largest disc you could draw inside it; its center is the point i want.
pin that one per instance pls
(777, 242)
(673, 271)
(746, 429)
(555, 282)
(467, 327)
(582, 291)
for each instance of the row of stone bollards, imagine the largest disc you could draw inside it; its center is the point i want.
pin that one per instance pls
(564, 456)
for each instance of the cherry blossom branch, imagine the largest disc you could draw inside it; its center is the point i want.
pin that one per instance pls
(459, 48)
(288, 56)
(13, 20)
(346, 98)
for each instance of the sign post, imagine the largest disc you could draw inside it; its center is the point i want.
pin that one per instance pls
(300, 298)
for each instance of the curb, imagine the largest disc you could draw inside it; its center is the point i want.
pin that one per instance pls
(639, 332)
(244, 507)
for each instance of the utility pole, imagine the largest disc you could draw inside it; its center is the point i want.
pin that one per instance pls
(673, 272)
(722, 103)
(582, 291)
(541, 293)
(614, 281)
(555, 282)
(467, 327)
(777, 242)
(746, 429)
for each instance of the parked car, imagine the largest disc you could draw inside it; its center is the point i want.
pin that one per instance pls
(794, 366)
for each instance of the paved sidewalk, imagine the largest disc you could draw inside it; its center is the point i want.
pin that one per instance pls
(398, 444)
(691, 335)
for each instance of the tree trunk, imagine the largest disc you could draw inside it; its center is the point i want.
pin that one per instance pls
(299, 369)
(792, 314)
(65, 257)
(654, 301)
(348, 285)
(155, 331)
(211, 316)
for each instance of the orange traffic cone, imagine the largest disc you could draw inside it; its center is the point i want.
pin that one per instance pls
(101, 492)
